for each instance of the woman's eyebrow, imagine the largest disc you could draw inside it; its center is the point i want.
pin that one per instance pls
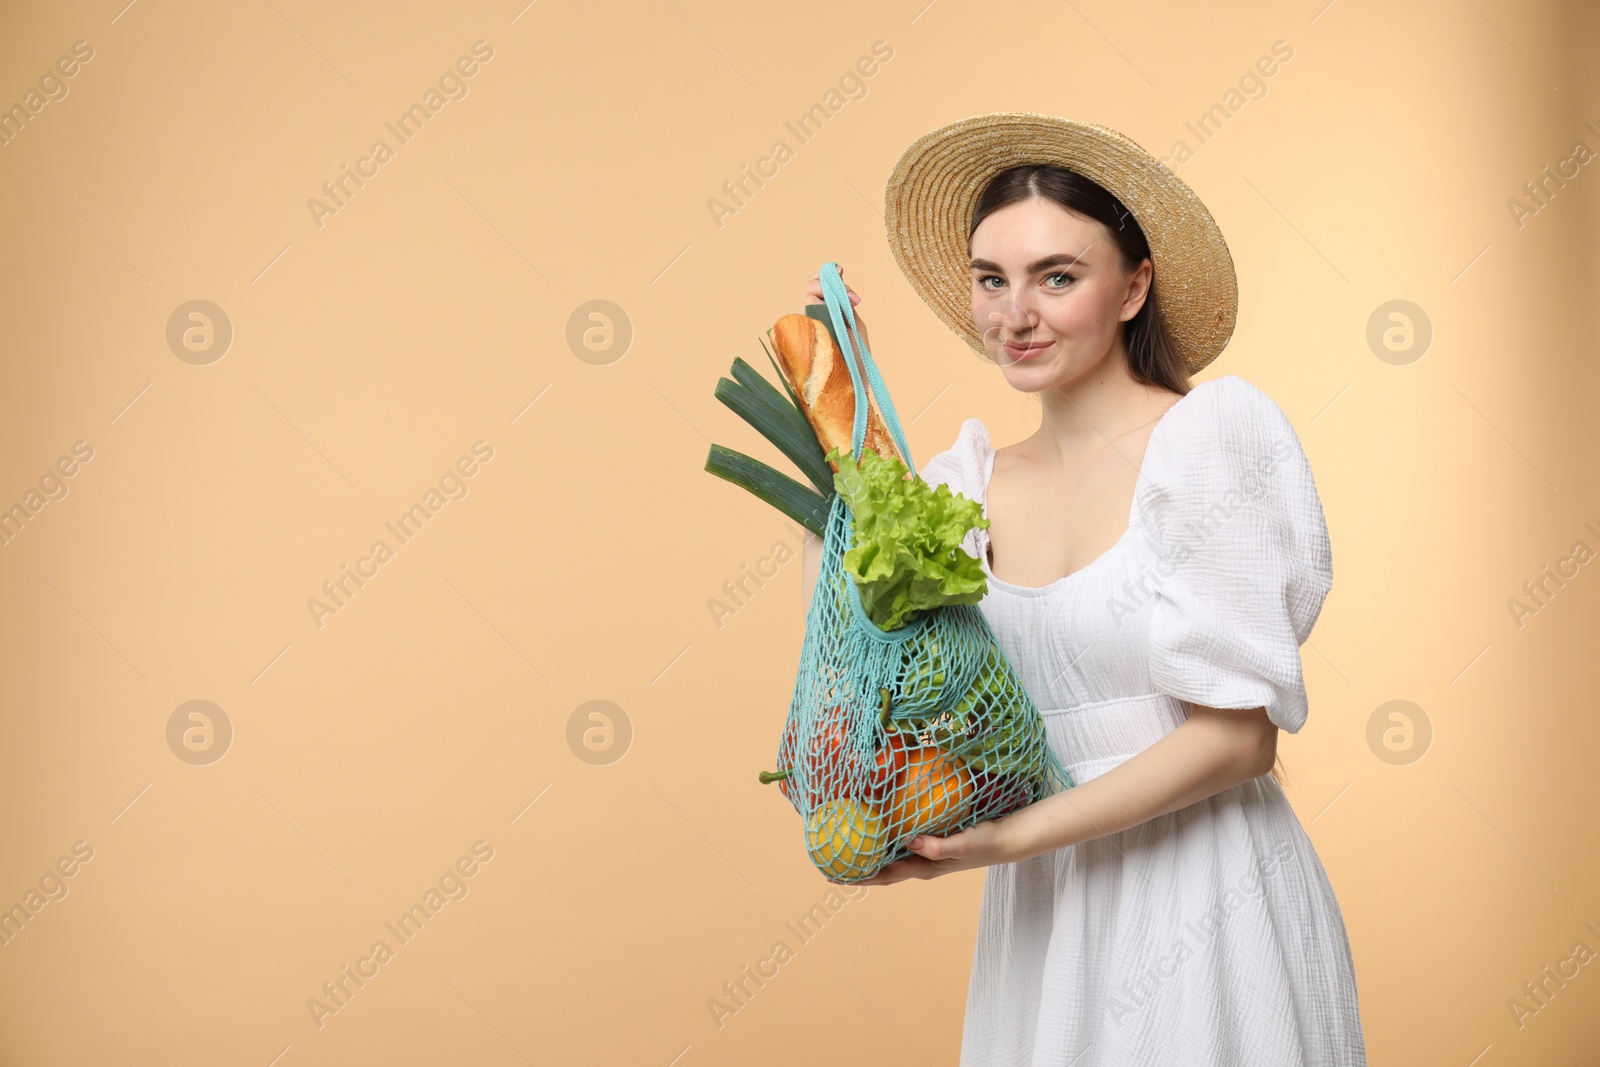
(1057, 260)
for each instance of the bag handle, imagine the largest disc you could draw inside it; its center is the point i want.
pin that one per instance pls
(837, 298)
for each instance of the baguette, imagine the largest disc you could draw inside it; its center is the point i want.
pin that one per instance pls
(820, 379)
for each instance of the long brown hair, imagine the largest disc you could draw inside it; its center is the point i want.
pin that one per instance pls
(1151, 357)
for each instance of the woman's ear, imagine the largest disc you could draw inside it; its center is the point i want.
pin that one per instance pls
(1138, 289)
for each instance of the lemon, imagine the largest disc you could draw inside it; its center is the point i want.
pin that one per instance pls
(846, 838)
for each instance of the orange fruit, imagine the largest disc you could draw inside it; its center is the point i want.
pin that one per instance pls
(932, 793)
(887, 765)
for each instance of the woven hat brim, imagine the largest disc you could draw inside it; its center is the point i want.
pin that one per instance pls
(931, 194)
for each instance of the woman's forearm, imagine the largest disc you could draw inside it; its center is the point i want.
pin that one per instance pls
(810, 568)
(1211, 751)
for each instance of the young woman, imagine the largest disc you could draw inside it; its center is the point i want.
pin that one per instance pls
(1156, 555)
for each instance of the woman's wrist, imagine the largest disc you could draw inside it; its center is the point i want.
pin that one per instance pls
(1051, 823)
(1023, 834)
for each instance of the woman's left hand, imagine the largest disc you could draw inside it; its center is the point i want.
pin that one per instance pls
(979, 845)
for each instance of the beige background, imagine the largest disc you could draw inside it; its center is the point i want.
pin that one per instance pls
(431, 312)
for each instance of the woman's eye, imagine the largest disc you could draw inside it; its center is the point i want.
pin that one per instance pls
(988, 278)
(1060, 274)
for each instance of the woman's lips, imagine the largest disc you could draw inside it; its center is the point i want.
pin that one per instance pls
(1018, 353)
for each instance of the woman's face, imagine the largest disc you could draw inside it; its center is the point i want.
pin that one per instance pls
(1049, 293)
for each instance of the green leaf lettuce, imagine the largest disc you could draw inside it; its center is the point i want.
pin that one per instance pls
(907, 556)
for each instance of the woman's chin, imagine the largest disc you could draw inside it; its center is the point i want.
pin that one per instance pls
(1029, 376)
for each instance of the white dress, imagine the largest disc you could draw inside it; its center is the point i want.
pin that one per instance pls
(1210, 936)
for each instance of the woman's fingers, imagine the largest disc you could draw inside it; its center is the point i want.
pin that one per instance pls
(814, 294)
(814, 290)
(933, 856)
(902, 870)
(923, 863)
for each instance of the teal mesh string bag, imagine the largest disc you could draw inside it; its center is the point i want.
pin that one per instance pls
(925, 728)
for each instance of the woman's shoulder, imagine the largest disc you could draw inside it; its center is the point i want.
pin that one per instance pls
(961, 465)
(1224, 436)
(1224, 426)
(1229, 408)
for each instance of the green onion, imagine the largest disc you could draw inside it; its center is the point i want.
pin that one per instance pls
(754, 400)
(804, 505)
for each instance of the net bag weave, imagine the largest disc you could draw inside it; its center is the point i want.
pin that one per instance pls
(921, 729)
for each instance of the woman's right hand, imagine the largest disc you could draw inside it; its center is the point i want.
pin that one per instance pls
(814, 296)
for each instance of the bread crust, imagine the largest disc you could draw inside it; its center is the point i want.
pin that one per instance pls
(820, 380)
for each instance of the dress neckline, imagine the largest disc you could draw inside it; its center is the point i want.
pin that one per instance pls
(1133, 509)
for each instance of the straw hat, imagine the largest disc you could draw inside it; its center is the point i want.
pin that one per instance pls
(931, 194)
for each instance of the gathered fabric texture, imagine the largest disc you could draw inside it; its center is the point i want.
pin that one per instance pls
(1210, 935)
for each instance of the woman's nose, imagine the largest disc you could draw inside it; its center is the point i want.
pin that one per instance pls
(1003, 318)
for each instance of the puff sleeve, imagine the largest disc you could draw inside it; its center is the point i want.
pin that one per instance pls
(942, 469)
(1226, 499)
